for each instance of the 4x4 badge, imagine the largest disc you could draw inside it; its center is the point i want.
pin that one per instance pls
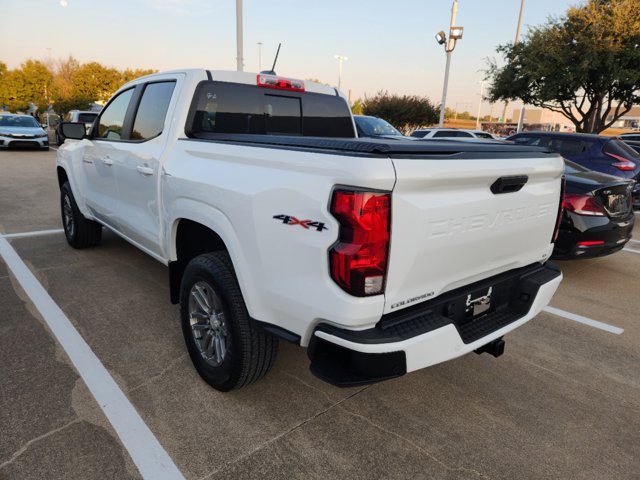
(291, 220)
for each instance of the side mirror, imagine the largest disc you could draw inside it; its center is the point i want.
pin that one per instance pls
(75, 131)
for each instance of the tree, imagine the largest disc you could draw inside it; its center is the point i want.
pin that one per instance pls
(95, 81)
(129, 75)
(403, 112)
(584, 65)
(358, 107)
(62, 86)
(28, 84)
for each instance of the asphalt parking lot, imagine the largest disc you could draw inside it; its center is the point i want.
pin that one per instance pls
(563, 402)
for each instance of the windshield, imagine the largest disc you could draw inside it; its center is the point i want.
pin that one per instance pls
(18, 121)
(375, 127)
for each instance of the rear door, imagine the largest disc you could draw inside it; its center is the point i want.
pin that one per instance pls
(450, 229)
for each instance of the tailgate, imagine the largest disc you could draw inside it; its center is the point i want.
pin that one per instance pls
(449, 229)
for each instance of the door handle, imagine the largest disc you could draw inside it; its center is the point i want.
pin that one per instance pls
(144, 170)
(107, 161)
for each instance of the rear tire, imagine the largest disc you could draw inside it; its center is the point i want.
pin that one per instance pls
(80, 232)
(226, 349)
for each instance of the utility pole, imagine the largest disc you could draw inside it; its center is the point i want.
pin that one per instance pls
(479, 105)
(506, 104)
(259, 56)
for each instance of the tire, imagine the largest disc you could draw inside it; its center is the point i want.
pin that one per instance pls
(80, 232)
(226, 349)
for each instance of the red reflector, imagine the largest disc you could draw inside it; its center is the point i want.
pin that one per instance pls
(359, 258)
(622, 163)
(591, 243)
(281, 83)
(582, 205)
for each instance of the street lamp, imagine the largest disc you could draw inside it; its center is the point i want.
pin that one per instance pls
(259, 56)
(506, 103)
(340, 59)
(455, 34)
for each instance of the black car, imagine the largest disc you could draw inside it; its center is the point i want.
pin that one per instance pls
(595, 152)
(597, 216)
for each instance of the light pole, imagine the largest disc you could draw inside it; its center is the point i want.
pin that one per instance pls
(455, 34)
(341, 59)
(259, 56)
(239, 56)
(506, 103)
(479, 105)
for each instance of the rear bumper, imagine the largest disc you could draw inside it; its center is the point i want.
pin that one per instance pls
(611, 235)
(432, 332)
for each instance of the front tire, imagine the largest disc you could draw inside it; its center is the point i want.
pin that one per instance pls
(225, 348)
(80, 232)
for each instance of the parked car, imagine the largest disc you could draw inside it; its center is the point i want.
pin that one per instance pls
(630, 136)
(595, 152)
(451, 133)
(77, 116)
(375, 127)
(597, 216)
(22, 131)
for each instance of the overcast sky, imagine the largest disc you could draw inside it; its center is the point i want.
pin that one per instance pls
(390, 45)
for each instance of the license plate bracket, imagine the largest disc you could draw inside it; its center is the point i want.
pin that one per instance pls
(477, 305)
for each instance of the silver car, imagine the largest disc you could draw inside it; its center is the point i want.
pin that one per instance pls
(22, 131)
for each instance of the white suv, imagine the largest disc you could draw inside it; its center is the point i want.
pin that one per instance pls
(451, 133)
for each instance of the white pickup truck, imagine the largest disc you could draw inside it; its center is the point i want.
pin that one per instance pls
(277, 222)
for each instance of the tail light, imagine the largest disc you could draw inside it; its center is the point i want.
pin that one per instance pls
(582, 205)
(622, 163)
(359, 258)
(280, 83)
(560, 208)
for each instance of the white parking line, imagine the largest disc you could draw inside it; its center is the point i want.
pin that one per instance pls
(33, 234)
(631, 250)
(587, 321)
(634, 241)
(145, 450)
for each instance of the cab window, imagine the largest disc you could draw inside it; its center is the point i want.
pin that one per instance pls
(112, 118)
(152, 111)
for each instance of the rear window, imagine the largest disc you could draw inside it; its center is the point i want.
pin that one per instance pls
(483, 135)
(445, 133)
(618, 147)
(87, 117)
(532, 140)
(223, 107)
(420, 133)
(569, 148)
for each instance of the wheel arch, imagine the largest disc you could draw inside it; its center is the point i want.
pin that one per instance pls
(190, 238)
(62, 176)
